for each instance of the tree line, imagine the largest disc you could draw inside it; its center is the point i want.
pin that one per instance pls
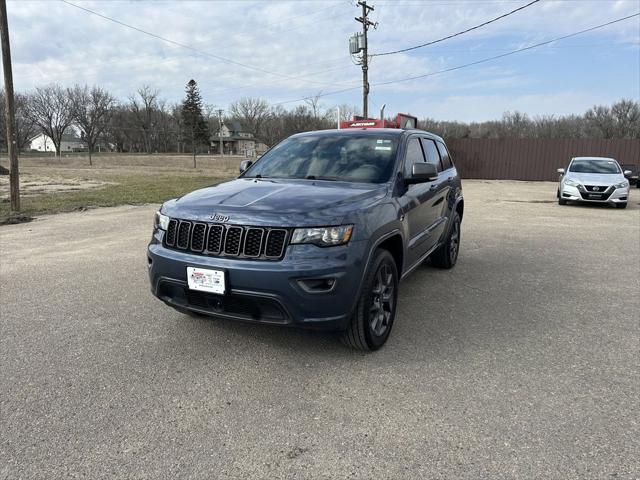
(620, 120)
(145, 122)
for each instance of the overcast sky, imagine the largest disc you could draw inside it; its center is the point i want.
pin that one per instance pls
(299, 48)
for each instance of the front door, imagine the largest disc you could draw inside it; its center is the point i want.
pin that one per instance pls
(417, 205)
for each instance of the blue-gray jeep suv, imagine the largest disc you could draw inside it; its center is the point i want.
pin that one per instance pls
(317, 233)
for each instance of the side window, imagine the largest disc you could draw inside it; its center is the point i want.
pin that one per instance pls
(444, 154)
(431, 152)
(414, 155)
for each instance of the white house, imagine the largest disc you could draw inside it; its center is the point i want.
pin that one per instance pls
(69, 143)
(237, 140)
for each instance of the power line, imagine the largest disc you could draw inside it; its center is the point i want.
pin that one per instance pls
(458, 33)
(512, 52)
(189, 47)
(484, 60)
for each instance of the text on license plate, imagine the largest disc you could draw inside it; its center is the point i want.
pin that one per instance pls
(206, 280)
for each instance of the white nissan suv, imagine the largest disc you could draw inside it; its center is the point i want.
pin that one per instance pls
(593, 179)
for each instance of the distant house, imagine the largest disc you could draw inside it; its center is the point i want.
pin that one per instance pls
(261, 147)
(236, 139)
(70, 143)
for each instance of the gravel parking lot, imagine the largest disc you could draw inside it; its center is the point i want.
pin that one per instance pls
(522, 362)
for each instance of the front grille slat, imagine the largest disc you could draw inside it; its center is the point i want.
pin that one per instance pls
(233, 240)
(260, 243)
(184, 229)
(276, 242)
(198, 237)
(214, 239)
(170, 237)
(253, 242)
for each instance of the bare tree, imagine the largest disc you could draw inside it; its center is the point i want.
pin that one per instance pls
(347, 112)
(600, 122)
(92, 110)
(143, 107)
(50, 109)
(626, 114)
(251, 112)
(26, 129)
(313, 103)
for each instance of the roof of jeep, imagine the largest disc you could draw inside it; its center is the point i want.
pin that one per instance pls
(366, 131)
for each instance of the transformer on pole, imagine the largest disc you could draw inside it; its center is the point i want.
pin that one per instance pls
(358, 45)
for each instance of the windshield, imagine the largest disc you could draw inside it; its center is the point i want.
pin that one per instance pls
(594, 166)
(350, 158)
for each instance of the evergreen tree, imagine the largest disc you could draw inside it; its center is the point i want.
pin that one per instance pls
(195, 126)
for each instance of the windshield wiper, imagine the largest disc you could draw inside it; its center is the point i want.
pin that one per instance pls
(314, 177)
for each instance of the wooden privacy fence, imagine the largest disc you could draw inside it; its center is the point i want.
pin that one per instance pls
(533, 158)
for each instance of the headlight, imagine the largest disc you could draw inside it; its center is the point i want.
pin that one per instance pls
(160, 221)
(571, 183)
(623, 184)
(323, 236)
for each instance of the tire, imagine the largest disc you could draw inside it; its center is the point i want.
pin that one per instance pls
(558, 193)
(562, 201)
(446, 255)
(372, 320)
(621, 205)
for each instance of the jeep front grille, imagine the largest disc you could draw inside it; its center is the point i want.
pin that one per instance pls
(226, 240)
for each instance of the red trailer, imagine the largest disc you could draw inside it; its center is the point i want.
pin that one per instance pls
(402, 120)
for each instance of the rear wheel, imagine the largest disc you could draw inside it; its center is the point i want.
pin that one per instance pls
(371, 323)
(446, 255)
(621, 205)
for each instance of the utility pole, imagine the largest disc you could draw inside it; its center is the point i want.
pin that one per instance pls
(12, 144)
(220, 130)
(366, 23)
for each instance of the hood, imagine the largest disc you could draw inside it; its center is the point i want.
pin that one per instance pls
(277, 202)
(596, 178)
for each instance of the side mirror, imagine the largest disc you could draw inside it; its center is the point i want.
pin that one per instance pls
(422, 172)
(627, 173)
(561, 171)
(244, 165)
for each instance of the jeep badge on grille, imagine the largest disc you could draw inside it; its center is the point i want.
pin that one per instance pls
(219, 218)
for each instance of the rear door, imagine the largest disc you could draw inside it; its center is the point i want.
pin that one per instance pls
(441, 187)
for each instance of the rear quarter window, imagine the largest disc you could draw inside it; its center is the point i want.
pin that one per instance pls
(444, 154)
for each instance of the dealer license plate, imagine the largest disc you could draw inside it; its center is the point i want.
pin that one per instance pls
(206, 280)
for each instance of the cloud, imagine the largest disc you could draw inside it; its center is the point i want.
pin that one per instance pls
(304, 46)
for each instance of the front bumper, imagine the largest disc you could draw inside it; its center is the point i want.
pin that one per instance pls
(265, 291)
(580, 194)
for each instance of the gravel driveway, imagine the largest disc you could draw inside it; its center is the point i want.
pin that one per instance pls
(522, 362)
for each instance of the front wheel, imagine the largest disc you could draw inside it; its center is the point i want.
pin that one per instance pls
(562, 201)
(446, 255)
(621, 205)
(370, 324)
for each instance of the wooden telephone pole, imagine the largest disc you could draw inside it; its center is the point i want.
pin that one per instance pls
(12, 144)
(366, 23)
(220, 111)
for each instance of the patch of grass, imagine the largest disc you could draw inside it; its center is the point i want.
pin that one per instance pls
(132, 189)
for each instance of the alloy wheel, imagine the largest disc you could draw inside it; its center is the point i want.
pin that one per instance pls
(382, 300)
(454, 242)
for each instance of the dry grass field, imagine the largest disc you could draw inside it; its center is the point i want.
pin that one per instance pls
(51, 185)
